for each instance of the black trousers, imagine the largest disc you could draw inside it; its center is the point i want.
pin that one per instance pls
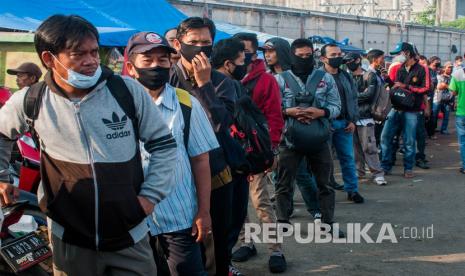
(240, 200)
(177, 253)
(288, 166)
(220, 212)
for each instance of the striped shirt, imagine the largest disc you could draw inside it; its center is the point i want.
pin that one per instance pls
(177, 211)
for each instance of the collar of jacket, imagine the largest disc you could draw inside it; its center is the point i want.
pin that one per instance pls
(258, 68)
(48, 78)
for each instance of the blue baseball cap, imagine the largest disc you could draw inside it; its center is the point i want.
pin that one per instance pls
(403, 46)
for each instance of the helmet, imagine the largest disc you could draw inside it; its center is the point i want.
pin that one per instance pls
(5, 94)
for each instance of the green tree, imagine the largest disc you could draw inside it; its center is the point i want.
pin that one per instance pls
(459, 24)
(426, 17)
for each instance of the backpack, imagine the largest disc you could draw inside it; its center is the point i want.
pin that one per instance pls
(382, 102)
(251, 130)
(306, 138)
(123, 97)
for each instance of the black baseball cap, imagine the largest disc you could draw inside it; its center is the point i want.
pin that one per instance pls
(352, 57)
(404, 46)
(27, 67)
(145, 41)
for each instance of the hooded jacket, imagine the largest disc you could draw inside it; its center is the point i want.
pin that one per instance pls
(283, 52)
(90, 162)
(267, 97)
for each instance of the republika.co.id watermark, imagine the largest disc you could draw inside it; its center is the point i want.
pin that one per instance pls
(325, 233)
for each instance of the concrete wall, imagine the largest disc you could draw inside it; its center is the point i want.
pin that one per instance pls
(363, 32)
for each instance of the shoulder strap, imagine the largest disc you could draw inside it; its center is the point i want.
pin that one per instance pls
(250, 85)
(32, 101)
(314, 80)
(185, 102)
(291, 82)
(123, 96)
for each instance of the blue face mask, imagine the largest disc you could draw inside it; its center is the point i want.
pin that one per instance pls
(78, 80)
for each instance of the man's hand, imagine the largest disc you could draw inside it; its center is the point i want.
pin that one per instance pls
(311, 113)
(399, 85)
(202, 225)
(292, 111)
(8, 193)
(146, 204)
(274, 166)
(350, 128)
(202, 69)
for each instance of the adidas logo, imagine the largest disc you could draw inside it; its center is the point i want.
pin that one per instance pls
(116, 124)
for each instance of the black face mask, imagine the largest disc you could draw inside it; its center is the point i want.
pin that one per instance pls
(154, 77)
(239, 72)
(248, 58)
(353, 66)
(190, 51)
(335, 62)
(302, 66)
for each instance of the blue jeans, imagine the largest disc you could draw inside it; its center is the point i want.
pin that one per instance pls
(445, 108)
(307, 186)
(407, 122)
(344, 144)
(460, 127)
(421, 137)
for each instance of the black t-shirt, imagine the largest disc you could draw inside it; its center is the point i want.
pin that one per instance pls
(340, 88)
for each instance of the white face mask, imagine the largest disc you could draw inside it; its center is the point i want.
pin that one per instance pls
(402, 58)
(78, 80)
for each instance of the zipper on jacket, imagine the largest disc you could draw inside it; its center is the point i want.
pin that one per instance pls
(91, 161)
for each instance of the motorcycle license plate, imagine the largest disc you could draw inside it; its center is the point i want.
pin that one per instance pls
(24, 252)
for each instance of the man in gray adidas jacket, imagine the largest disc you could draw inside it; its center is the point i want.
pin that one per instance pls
(94, 189)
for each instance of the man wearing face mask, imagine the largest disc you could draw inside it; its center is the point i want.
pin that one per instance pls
(302, 67)
(228, 58)
(182, 219)
(366, 151)
(216, 94)
(344, 125)
(413, 78)
(264, 92)
(170, 36)
(93, 185)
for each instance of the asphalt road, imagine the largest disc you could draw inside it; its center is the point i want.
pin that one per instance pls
(434, 198)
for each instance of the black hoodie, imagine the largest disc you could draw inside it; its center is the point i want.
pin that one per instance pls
(283, 52)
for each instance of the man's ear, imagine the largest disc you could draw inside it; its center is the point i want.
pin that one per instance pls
(177, 45)
(48, 59)
(131, 69)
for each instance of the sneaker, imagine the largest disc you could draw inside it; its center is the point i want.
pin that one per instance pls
(355, 197)
(317, 218)
(380, 180)
(462, 171)
(337, 186)
(277, 263)
(409, 174)
(422, 164)
(244, 253)
(234, 271)
(340, 233)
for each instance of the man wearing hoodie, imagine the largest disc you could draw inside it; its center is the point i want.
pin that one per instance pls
(95, 193)
(265, 94)
(290, 158)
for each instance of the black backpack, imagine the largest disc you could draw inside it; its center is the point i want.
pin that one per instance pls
(119, 91)
(251, 130)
